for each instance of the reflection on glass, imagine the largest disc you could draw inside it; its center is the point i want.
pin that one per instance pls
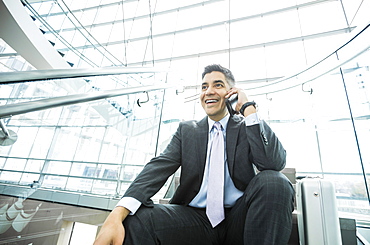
(54, 182)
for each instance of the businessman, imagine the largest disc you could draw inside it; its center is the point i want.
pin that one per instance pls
(221, 199)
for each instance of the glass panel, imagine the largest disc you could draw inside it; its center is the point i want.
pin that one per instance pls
(328, 16)
(88, 16)
(80, 185)
(240, 38)
(166, 23)
(10, 177)
(120, 31)
(88, 148)
(130, 172)
(22, 146)
(4, 150)
(84, 169)
(15, 164)
(60, 168)
(102, 33)
(213, 38)
(34, 165)
(247, 68)
(108, 171)
(106, 13)
(28, 179)
(356, 11)
(281, 26)
(185, 44)
(113, 147)
(2, 162)
(291, 56)
(54, 182)
(65, 141)
(104, 187)
(42, 142)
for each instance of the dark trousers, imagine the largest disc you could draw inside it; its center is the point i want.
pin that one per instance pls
(263, 215)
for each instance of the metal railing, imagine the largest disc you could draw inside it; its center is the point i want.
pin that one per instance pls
(42, 104)
(40, 75)
(7, 137)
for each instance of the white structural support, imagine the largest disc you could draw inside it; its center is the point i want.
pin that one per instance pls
(19, 31)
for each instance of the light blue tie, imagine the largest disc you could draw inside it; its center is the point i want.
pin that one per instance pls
(215, 191)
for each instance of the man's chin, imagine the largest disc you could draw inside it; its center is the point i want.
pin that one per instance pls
(212, 113)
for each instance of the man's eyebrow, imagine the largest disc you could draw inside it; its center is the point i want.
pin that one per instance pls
(215, 81)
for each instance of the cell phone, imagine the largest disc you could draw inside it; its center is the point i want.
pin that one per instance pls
(230, 104)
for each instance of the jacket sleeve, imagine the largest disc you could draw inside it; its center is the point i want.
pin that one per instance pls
(156, 172)
(266, 151)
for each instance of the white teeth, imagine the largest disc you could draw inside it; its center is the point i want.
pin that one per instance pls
(211, 101)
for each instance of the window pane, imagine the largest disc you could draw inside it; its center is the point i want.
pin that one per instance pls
(22, 146)
(65, 143)
(10, 177)
(55, 182)
(42, 142)
(104, 187)
(84, 169)
(34, 165)
(15, 164)
(53, 167)
(77, 184)
(29, 179)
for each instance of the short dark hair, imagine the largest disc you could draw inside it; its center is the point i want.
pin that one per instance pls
(228, 75)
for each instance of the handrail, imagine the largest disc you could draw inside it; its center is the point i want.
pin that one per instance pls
(357, 44)
(42, 104)
(38, 75)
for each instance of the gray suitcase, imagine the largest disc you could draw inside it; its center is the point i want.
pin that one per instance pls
(317, 214)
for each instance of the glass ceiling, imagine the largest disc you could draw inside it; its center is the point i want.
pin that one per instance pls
(258, 40)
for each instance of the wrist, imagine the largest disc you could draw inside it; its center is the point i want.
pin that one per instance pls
(248, 108)
(121, 212)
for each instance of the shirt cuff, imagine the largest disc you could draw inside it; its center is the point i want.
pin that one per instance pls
(252, 119)
(130, 203)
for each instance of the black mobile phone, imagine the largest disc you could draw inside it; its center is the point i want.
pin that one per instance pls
(230, 104)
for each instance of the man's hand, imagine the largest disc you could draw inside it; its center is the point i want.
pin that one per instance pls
(242, 99)
(112, 231)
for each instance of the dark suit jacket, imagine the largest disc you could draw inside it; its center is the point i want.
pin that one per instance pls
(245, 146)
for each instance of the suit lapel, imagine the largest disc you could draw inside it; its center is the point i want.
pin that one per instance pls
(201, 136)
(232, 132)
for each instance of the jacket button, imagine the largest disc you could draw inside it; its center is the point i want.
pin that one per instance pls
(264, 138)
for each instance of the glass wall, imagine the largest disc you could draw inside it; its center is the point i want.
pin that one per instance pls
(96, 147)
(324, 122)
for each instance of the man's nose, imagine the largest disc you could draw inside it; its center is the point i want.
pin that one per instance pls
(209, 90)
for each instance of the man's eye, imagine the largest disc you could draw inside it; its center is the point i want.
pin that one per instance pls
(219, 85)
(204, 87)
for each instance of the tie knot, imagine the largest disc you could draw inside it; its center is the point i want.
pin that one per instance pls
(217, 126)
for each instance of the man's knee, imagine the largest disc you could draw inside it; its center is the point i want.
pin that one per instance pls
(272, 177)
(274, 185)
(138, 229)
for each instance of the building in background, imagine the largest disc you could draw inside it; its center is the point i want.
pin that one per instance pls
(306, 64)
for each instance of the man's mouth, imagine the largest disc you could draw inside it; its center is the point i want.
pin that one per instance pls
(210, 101)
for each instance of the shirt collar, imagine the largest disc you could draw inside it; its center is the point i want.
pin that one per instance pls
(223, 122)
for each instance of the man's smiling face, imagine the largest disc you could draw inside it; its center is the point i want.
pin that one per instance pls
(212, 97)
